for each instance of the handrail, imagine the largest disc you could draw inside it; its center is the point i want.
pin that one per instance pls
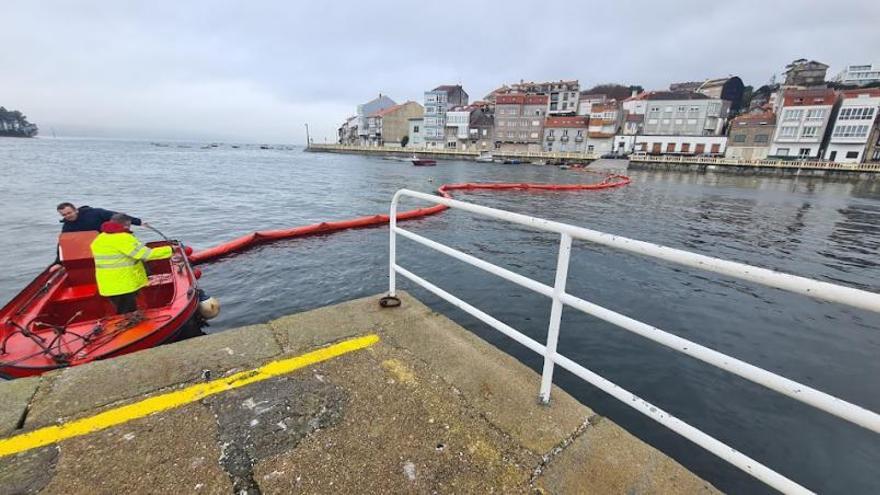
(767, 162)
(813, 288)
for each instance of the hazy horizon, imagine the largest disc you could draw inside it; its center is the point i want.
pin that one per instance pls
(223, 71)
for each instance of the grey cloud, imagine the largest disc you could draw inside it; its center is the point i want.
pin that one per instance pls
(258, 70)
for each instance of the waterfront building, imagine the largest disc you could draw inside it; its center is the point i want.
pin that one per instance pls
(562, 96)
(565, 133)
(802, 120)
(364, 111)
(749, 136)
(458, 123)
(437, 102)
(625, 139)
(606, 120)
(636, 104)
(725, 88)
(388, 126)
(416, 133)
(587, 100)
(859, 74)
(519, 121)
(481, 132)
(348, 131)
(872, 152)
(806, 73)
(684, 114)
(680, 145)
(852, 126)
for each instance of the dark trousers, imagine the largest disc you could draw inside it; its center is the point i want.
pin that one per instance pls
(124, 303)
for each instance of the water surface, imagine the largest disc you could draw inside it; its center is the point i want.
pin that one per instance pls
(828, 230)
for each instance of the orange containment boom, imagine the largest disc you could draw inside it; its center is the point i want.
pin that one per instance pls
(254, 238)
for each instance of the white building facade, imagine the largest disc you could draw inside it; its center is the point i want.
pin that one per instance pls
(801, 123)
(416, 133)
(680, 145)
(852, 127)
(859, 74)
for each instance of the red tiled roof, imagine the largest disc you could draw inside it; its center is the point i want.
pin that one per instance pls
(575, 122)
(600, 135)
(536, 99)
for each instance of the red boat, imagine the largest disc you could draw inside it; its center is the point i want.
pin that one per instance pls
(60, 319)
(423, 162)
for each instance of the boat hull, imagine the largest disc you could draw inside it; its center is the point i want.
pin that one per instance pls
(60, 320)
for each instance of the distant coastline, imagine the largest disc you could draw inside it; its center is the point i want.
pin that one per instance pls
(13, 123)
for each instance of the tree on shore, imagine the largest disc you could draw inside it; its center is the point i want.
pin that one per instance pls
(14, 123)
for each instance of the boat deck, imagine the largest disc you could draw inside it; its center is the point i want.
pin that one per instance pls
(349, 398)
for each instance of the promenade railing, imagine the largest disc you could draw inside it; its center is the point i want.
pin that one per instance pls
(557, 293)
(796, 164)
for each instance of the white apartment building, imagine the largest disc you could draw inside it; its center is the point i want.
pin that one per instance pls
(852, 127)
(437, 102)
(458, 123)
(801, 122)
(691, 114)
(859, 74)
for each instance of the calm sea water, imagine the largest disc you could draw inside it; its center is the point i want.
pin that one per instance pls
(821, 229)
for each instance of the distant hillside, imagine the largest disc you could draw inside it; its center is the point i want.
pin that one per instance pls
(14, 123)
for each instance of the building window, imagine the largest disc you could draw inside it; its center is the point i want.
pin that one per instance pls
(652, 121)
(682, 108)
(809, 132)
(670, 147)
(534, 135)
(580, 133)
(485, 133)
(852, 154)
(849, 131)
(816, 114)
(416, 129)
(788, 131)
(792, 114)
(782, 152)
(804, 152)
(762, 138)
(502, 123)
(679, 121)
(536, 123)
(552, 106)
(550, 132)
(739, 138)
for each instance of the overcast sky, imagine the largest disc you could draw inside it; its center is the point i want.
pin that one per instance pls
(257, 71)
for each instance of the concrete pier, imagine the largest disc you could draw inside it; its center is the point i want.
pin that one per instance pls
(413, 404)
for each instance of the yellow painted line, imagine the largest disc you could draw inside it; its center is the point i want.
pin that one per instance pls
(123, 414)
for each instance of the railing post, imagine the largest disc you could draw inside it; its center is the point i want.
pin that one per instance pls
(392, 247)
(555, 317)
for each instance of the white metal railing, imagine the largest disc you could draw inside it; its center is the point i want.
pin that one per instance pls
(809, 287)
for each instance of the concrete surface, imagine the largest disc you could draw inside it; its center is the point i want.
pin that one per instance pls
(431, 408)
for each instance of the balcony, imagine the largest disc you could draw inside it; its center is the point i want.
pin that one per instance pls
(551, 138)
(578, 138)
(563, 138)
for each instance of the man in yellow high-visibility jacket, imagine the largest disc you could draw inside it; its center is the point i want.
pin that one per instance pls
(119, 262)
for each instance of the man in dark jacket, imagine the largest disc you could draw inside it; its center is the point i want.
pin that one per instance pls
(85, 218)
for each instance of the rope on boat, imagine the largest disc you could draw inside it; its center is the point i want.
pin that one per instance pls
(250, 240)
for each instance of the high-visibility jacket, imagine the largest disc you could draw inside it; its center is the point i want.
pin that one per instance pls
(119, 262)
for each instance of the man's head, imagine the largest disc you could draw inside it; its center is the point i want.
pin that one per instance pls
(121, 219)
(68, 212)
